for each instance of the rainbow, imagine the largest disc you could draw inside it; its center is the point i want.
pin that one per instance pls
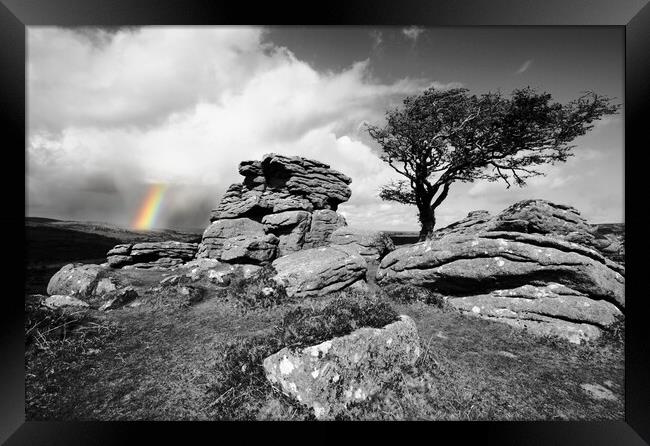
(150, 207)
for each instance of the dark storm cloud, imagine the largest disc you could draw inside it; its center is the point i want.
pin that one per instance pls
(101, 183)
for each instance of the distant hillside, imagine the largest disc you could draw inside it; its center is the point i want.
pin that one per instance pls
(51, 243)
(41, 219)
(403, 237)
(114, 231)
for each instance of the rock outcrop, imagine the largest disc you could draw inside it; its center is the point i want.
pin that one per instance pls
(469, 263)
(151, 254)
(545, 218)
(532, 266)
(58, 301)
(372, 245)
(118, 298)
(318, 271)
(552, 309)
(214, 271)
(291, 228)
(285, 204)
(329, 376)
(75, 279)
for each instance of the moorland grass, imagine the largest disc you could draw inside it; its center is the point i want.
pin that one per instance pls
(242, 391)
(203, 362)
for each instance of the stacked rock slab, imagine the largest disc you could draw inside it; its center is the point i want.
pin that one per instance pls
(151, 254)
(372, 245)
(318, 271)
(545, 218)
(285, 204)
(532, 266)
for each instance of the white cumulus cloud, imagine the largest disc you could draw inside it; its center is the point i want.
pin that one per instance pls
(184, 106)
(412, 32)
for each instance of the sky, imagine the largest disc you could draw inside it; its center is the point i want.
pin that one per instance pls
(112, 112)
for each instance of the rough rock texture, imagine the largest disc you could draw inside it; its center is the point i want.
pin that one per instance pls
(118, 298)
(290, 227)
(372, 245)
(318, 271)
(216, 271)
(74, 279)
(220, 231)
(610, 241)
(249, 249)
(473, 223)
(58, 300)
(151, 254)
(279, 183)
(598, 392)
(466, 263)
(545, 218)
(158, 265)
(323, 224)
(551, 284)
(293, 199)
(329, 376)
(553, 309)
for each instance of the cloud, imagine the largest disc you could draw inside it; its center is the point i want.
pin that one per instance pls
(412, 33)
(524, 67)
(111, 111)
(377, 39)
(135, 77)
(184, 106)
(590, 181)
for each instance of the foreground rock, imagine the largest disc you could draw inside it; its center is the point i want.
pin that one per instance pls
(318, 271)
(553, 309)
(329, 376)
(75, 279)
(213, 271)
(372, 245)
(545, 284)
(58, 301)
(151, 254)
(463, 264)
(284, 204)
(119, 298)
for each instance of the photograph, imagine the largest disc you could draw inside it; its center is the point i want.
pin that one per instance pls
(325, 223)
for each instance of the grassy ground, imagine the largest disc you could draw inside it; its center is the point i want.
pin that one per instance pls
(165, 361)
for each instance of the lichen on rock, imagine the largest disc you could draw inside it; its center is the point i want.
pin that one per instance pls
(329, 376)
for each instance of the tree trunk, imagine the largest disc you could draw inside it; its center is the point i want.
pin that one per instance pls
(427, 222)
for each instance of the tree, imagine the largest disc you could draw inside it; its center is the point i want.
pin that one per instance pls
(443, 136)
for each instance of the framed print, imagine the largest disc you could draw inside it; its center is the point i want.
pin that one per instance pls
(377, 215)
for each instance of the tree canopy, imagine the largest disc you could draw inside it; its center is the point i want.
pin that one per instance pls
(443, 136)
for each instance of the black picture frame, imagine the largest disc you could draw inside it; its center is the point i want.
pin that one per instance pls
(633, 15)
